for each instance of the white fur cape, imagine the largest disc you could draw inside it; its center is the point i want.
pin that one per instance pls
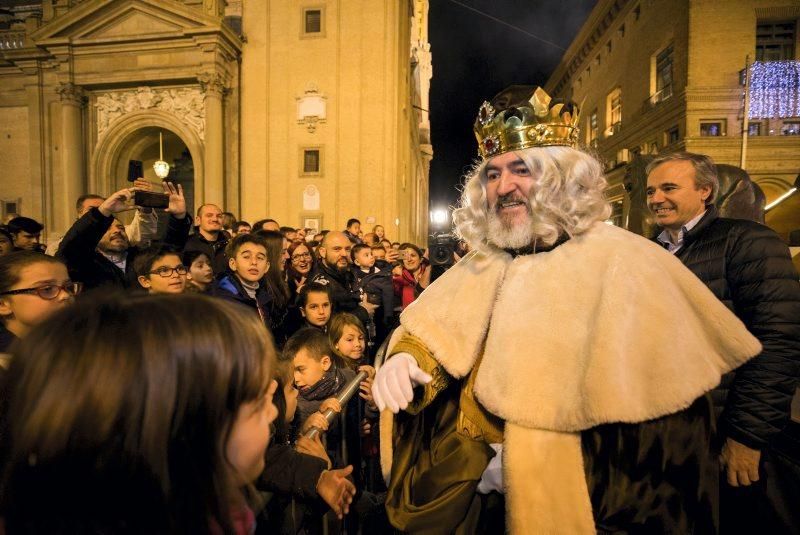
(607, 327)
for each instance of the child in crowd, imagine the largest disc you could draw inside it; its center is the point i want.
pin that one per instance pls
(201, 271)
(32, 286)
(160, 270)
(377, 285)
(314, 301)
(320, 378)
(139, 420)
(298, 471)
(247, 264)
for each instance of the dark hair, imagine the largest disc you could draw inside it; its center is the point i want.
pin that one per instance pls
(83, 198)
(314, 341)
(356, 248)
(24, 224)
(239, 240)
(378, 248)
(311, 287)
(258, 225)
(4, 231)
(13, 263)
(274, 277)
(228, 219)
(284, 230)
(238, 224)
(290, 271)
(189, 257)
(152, 393)
(412, 246)
(284, 375)
(352, 221)
(143, 263)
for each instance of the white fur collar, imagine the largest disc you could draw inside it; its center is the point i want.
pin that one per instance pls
(606, 327)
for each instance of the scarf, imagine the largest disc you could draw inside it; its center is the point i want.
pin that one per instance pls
(332, 381)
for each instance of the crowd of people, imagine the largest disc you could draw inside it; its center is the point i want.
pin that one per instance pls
(323, 302)
(564, 376)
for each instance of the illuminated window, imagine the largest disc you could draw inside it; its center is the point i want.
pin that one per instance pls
(593, 129)
(614, 112)
(712, 128)
(672, 136)
(790, 128)
(754, 129)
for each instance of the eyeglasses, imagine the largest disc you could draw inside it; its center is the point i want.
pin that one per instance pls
(165, 271)
(49, 291)
(298, 256)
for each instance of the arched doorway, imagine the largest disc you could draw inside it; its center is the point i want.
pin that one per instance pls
(135, 137)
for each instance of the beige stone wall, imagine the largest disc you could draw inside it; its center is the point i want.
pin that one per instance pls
(15, 177)
(711, 40)
(360, 66)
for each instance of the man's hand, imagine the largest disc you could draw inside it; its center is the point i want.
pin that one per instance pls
(117, 202)
(395, 381)
(369, 307)
(740, 462)
(177, 204)
(334, 488)
(314, 447)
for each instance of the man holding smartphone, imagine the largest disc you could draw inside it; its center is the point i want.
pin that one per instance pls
(97, 250)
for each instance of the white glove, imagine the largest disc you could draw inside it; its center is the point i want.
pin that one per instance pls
(394, 383)
(492, 477)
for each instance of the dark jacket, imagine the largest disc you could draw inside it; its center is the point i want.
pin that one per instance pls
(291, 472)
(214, 250)
(377, 283)
(227, 286)
(748, 267)
(79, 252)
(344, 290)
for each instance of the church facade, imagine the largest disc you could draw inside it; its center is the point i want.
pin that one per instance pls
(308, 112)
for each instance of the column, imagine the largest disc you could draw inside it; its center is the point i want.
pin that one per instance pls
(214, 87)
(72, 100)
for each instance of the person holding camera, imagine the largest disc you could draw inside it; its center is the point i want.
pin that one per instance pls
(412, 276)
(96, 248)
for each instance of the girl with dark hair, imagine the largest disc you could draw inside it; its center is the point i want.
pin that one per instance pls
(276, 285)
(412, 276)
(32, 286)
(140, 420)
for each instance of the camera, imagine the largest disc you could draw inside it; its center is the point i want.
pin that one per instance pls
(440, 249)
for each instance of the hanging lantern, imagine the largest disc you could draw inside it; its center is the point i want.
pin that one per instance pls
(161, 167)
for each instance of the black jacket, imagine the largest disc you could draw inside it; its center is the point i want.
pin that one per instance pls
(227, 286)
(344, 290)
(215, 251)
(378, 283)
(78, 250)
(748, 267)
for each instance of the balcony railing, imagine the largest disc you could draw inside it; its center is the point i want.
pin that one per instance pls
(613, 129)
(11, 39)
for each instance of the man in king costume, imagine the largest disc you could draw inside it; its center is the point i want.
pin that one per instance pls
(561, 369)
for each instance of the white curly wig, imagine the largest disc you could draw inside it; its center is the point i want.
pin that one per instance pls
(566, 198)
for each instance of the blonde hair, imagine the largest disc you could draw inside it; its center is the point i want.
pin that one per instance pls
(567, 197)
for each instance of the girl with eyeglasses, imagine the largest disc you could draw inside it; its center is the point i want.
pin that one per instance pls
(32, 286)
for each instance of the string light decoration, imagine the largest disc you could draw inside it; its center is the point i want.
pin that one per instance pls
(774, 90)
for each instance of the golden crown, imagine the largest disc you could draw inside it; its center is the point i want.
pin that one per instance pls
(521, 117)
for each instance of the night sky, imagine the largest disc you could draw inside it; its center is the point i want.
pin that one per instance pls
(475, 57)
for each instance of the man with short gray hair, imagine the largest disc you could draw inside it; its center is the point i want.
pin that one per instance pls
(749, 269)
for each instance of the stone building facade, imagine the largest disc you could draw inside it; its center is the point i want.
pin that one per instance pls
(664, 75)
(308, 112)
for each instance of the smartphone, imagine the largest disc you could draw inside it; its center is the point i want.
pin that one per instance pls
(149, 199)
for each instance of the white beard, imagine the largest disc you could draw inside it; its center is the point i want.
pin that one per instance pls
(508, 236)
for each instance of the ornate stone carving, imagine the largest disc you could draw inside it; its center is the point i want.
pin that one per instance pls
(213, 84)
(71, 94)
(185, 103)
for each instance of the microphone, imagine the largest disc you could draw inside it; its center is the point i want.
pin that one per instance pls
(343, 397)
